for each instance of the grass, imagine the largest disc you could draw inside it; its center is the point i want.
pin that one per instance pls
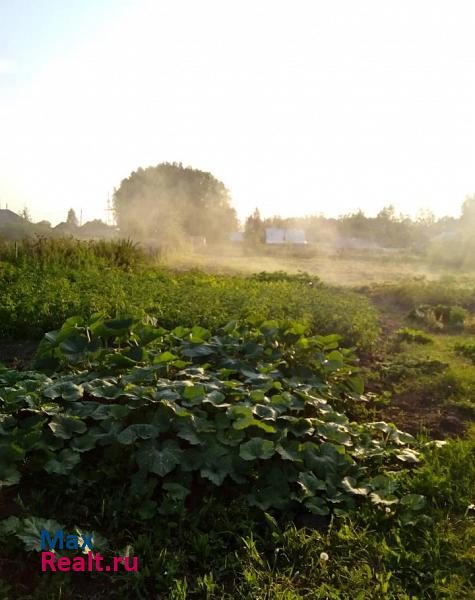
(457, 381)
(348, 268)
(222, 550)
(429, 385)
(410, 293)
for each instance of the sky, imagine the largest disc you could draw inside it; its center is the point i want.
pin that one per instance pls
(299, 107)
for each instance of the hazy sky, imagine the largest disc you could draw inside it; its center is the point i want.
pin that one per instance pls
(299, 106)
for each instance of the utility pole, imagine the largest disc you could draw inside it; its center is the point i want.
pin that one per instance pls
(109, 210)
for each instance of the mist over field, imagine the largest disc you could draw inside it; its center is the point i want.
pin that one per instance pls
(187, 218)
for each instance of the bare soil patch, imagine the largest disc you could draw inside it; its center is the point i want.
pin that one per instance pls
(17, 354)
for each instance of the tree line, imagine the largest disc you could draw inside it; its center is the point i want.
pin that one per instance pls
(169, 204)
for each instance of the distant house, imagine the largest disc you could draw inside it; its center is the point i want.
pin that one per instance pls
(275, 236)
(295, 236)
(92, 230)
(96, 229)
(8, 217)
(236, 236)
(65, 229)
(285, 236)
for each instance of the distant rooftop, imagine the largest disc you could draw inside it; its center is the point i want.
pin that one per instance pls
(8, 217)
(283, 236)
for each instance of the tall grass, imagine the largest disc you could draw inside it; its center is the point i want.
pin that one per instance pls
(410, 293)
(72, 253)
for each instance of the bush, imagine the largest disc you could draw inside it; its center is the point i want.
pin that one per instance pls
(440, 316)
(457, 317)
(160, 413)
(466, 349)
(411, 293)
(70, 253)
(36, 299)
(413, 336)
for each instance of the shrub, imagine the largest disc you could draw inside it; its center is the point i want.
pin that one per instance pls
(411, 293)
(36, 299)
(440, 316)
(51, 253)
(466, 349)
(159, 413)
(414, 336)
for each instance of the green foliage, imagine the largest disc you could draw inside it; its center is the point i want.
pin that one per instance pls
(300, 277)
(171, 443)
(466, 349)
(222, 456)
(46, 253)
(248, 406)
(230, 551)
(254, 230)
(36, 299)
(413, 336)
(168, 201)
(447, 479)
(411, 293)
(440, 316)
(431, 376)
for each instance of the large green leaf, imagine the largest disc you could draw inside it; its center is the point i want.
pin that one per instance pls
(290, 450)
(64, 389)
(216, 471)
(84, 442)
(65, 427)
(29, 531)
(160, 461)
(64, 463)
(164, 358)
(111, 328)
(310, 484)
(193, 394)
(335, 432)
(317, 506)
(187, 431)
(198, 350)
(408, 455)
(350, 486)
(257, 448)
(9, 476)
(142, 431)
(413, 502)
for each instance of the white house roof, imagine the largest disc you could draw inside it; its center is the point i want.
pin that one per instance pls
(295, 236)
(275, 236)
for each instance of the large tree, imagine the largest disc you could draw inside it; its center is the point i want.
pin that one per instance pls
(254, 229)
(468, 212)
(72, 219)
(169, 201)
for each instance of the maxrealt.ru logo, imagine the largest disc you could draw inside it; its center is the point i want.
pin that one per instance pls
(82, 542)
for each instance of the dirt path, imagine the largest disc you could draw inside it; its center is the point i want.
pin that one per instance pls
(410, 410)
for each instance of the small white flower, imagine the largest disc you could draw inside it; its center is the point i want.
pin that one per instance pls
(324, 556)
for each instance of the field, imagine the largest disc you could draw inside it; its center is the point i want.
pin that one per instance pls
(247, 433)
(348, 267)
